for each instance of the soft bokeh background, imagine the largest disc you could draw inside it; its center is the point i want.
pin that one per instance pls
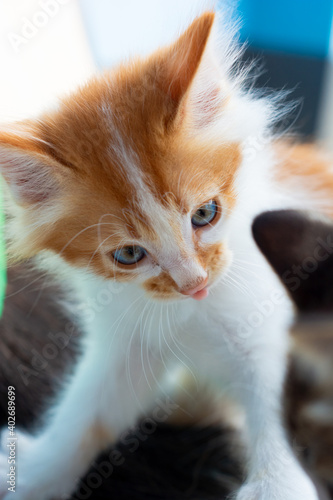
(48, 47)
(53, 60)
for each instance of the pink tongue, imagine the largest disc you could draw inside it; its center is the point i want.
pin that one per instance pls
(202, 294)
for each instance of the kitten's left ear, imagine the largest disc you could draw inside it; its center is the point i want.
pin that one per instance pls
(299, 246)
(35, 181)
(178, 66)
(30, 171)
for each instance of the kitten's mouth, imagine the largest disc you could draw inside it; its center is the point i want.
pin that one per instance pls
(201, 294)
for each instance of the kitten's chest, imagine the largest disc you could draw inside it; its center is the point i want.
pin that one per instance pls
(126, 315)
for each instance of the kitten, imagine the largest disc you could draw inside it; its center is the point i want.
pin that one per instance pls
(139, 192)
(300, 249)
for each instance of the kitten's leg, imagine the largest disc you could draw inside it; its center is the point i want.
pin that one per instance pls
(252, 371)
(274, 472)
(49, 463)
(86, 419)
(273, 469)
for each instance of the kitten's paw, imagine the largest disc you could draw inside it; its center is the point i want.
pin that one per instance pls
(41, 474)
(275, 489)
(12, 444)
(23, 469)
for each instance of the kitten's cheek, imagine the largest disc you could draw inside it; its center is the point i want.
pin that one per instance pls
(202, 294)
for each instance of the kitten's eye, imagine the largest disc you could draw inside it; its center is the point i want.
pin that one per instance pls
(129, 255)
(205, 214)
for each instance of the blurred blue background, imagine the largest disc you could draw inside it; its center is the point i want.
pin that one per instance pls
(293, 41)
(295, 26)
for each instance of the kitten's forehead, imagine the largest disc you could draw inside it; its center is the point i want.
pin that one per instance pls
(158, 198)
(114, 136)
(177, 169)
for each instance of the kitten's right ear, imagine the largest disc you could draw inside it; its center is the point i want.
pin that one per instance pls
(28, 168)
(185, 56)
(178, 66)
(300, 249)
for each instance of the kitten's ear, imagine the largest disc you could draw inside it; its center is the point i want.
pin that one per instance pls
(30, 172)
(178, 65)
(300, 249)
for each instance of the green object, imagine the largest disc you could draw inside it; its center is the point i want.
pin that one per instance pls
(3, 267)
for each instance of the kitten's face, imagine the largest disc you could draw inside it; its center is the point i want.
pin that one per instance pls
(128, 189)
(148, 208)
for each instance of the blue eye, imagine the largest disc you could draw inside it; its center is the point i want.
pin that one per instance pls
(129, 255)
(205, 214)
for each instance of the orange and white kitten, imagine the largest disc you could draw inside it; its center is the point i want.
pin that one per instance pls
(141, 188)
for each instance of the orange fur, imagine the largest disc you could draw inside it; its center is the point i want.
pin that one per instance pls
(307, 165)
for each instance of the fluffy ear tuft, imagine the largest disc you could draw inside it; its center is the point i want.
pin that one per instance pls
(185, 56)
(29, 172)
(178, 67)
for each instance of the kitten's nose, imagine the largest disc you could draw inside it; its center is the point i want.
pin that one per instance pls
(199, 292)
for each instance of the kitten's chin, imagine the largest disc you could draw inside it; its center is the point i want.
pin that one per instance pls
(177, 297)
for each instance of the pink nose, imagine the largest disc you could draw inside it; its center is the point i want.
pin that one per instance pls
(199, 292)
